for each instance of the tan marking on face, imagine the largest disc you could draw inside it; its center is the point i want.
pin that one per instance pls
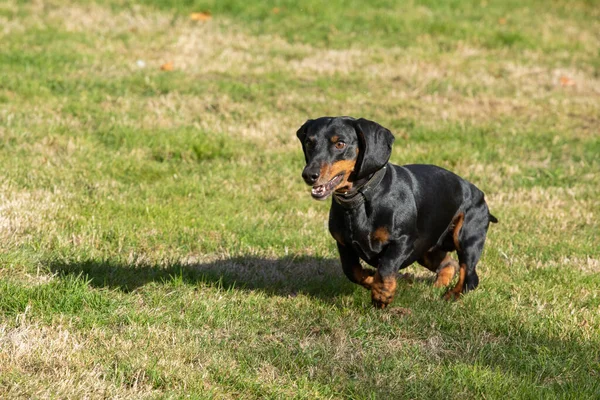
(329, 171)
(382, 290)
(334, 138)
(458, 223)
(381, 234)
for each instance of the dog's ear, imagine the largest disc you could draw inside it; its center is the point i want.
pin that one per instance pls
(375, 147)
(301, 134)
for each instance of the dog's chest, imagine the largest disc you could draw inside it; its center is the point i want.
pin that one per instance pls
(355, 228)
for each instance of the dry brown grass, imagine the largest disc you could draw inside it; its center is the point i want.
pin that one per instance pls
(54, 361)
(24, 214)
(558, 206)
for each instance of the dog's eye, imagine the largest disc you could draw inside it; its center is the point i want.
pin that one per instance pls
(340, 145)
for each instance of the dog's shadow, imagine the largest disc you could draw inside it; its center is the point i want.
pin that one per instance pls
(287, 276)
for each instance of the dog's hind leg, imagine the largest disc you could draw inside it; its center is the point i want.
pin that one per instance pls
(469, 238)
(442, 264)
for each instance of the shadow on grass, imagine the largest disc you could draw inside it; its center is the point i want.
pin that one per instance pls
(490, 352)
(317, 277)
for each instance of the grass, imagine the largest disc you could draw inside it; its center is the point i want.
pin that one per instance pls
(157, 240)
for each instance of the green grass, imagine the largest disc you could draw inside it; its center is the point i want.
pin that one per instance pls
(157, 239)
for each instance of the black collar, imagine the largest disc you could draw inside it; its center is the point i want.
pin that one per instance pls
(362, 193)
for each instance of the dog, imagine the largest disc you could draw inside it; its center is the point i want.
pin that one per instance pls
(391, 216)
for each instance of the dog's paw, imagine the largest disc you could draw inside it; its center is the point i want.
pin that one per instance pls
(382, 290)
(380, 302)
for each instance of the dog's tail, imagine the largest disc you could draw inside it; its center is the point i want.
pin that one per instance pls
(492, 218)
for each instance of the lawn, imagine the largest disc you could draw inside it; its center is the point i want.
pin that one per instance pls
(157, 240)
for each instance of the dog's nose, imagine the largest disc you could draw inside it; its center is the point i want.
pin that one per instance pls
(310, 177)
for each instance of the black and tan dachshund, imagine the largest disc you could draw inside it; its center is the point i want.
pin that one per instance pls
(391, 216)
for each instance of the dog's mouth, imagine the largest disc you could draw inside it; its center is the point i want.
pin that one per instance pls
(321, 192)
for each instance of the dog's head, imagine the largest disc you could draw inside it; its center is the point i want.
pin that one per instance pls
(340, 151)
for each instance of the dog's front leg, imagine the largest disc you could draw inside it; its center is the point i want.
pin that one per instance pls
(352, 268)
(394, 256)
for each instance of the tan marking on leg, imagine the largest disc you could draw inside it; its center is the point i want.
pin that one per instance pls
(363, 277)
(383, 289)
(456, 291)
(458, 223)
(368, 281)
(381, 234)
(447, 272)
